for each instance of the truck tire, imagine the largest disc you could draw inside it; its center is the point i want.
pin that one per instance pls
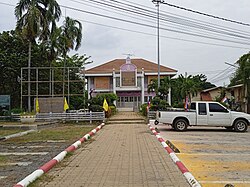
(240, 125)
(180, 125)
(156, 122)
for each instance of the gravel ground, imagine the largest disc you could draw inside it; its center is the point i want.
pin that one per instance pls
(15, 173)
(13, 168)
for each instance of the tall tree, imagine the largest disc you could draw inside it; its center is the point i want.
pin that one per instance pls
(33, 21)
(70, 36)
(69, 39)
(242, 75)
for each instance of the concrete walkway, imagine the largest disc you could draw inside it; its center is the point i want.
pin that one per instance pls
(120, 155)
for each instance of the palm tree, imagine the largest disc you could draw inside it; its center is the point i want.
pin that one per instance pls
(242, 75)
(69, 39)
(33, 21)
(71, 35)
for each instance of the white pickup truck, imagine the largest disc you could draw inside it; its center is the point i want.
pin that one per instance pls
(202, 113)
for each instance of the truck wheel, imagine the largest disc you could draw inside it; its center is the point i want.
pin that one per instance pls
(240, 125)
(156, 122)
(180, 125)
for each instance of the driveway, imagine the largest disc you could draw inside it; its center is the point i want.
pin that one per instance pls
(215, 156)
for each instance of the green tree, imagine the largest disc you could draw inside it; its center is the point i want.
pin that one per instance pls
(33, 21)
(242, 74)
(70, 36)
(13, 56)
(163, 90)
(70, 39)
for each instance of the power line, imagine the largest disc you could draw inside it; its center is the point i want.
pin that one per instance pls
(173, 38)
(186, 25)
(7, 4)
(163, 28)
(223, 74)
(151, 26)
(145, 12)
(205, 14)
(193, 19)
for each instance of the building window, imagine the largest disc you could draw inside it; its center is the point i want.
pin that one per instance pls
(128, 78)
(126, 99)
(117, 81)
(131, 99)
(145, 99)
(139, 81)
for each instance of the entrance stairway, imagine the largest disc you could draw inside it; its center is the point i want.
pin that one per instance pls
(127, 118)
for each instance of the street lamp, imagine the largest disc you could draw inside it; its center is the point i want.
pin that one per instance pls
(157, 4)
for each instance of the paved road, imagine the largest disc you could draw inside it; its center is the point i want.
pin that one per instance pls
(214, 156)
(120, 155)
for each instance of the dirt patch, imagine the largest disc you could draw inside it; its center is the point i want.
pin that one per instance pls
(52, 140)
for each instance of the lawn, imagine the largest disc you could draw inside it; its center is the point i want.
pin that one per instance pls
(5, 132)
(66, 132)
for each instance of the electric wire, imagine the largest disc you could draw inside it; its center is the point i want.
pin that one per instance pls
(162, 36)
(185, 28)
(193, 19)
(168, 29)
(205, 14)
(151, 26)
(187, 19)
(152, 14)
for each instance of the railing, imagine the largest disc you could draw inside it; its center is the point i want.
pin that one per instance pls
(151, 115)
(78, 116)
(81, 116)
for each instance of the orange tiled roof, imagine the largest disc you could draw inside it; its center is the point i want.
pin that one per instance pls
(140, 63)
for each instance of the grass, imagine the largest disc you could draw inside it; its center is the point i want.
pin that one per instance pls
(5, 132)
(3, 160)
(67, 132)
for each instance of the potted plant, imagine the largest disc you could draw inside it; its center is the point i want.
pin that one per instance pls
(27, 117)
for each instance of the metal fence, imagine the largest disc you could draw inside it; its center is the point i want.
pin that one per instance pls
(151, 115)
(78, 116)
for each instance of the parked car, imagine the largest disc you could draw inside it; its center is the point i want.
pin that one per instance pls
(204, 113)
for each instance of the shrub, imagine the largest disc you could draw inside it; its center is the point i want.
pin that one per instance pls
(113, 110)
(16, 110)
(95, 108)
(178, 105)
(143, 109)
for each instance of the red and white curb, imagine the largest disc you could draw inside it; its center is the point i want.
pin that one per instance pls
(46, 167)
(190, 178)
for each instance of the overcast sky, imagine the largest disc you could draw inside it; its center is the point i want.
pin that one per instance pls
(104, 40)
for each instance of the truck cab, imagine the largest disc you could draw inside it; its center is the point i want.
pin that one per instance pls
(203, 113)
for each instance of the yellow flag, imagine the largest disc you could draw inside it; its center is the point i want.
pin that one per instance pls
(37, 106)
(66, 106)
(105, 105)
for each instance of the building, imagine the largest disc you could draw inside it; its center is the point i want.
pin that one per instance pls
(236, 95)
(128, 78)
(210, 94)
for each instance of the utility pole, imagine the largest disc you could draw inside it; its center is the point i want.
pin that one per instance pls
(157, 4)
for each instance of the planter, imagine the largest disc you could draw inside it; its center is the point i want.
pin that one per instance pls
(28, 119)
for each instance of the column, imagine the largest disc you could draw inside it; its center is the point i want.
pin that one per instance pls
(114, 84)
(142, 86)
(88, 85)
(169, 96)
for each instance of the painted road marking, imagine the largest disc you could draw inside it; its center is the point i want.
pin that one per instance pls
(56, 141)
(3, 177)
(215, 154)
(16, 164)
(226, 182)
(22, 154)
